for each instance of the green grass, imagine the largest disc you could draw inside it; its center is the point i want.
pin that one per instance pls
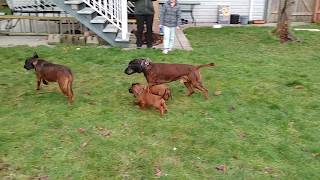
(264, 125)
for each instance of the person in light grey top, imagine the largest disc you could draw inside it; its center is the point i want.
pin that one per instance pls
(170, 20)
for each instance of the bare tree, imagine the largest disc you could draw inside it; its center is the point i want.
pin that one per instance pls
(284, 15)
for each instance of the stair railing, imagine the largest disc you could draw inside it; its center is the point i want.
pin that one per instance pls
(115, 11)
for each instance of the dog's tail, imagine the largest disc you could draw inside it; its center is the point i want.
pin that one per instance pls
(205, 65)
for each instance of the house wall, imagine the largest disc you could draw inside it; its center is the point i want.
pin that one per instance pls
(207, 11)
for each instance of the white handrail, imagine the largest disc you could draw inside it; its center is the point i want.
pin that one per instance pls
(115, 11)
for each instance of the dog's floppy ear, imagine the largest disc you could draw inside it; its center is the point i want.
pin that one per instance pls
(145, 62)
(34, 62)
(35, 55)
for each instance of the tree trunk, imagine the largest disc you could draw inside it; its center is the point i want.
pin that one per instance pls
(284, 15)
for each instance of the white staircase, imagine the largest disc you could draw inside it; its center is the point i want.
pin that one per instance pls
(107, 18)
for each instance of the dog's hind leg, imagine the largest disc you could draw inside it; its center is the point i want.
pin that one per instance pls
(202, 89)
(190, 89)
(63, 84)
(69, 91)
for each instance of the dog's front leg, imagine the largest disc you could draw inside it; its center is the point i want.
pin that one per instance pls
(38, 82)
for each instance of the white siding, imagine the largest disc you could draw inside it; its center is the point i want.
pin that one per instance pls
(207, 11)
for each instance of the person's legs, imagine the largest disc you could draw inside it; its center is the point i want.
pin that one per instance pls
(171, 38)
(149, 22)
(166, 39)
(140, 27)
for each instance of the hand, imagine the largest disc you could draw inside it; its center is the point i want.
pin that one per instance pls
(178, 27)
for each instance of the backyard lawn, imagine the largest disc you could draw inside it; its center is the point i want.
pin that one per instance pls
(264, 125)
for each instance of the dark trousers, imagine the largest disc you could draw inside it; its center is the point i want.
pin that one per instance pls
(141, 19)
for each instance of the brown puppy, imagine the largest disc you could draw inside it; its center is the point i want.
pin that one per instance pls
(46, 71)
(161, 90)
(146, 99)
(159, 73)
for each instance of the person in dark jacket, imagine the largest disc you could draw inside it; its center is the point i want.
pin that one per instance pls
(170, 20)
(144, 14)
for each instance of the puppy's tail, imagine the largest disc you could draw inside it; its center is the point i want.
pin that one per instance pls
(205, 65)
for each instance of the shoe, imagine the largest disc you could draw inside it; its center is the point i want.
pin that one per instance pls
(165, 51)
(139, 47)
(169, 50)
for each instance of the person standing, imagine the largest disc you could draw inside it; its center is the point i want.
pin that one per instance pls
(144, 15)
(170, 20)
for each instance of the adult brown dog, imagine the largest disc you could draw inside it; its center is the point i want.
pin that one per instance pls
(159, 73)
(147, 99)
(46, 71)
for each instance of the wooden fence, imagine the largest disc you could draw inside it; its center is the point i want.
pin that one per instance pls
(303, 10)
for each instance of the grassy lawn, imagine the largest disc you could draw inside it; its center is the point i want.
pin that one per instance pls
(264, 125)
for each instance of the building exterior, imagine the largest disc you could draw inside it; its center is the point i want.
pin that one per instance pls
(207, 11)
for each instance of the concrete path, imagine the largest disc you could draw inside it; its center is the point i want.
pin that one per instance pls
(10, 41)
(180, 42)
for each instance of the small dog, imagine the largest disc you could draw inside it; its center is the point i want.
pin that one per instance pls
(161, 90)
(147, 99)
(159, 73)
(46, 71)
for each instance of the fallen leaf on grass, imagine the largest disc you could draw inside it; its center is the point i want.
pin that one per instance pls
(4, 166)
(268, 170)
(43, 177)
(299, 87)
(316, 154)
(40, 177)
(158, 171)
(242, 134)
(92, 103)
(217, 93)
(104, 132)
(232, 108)
(222, 168)
(84, 144)
(81, 130)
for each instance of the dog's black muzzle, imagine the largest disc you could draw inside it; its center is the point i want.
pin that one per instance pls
(129, 71)
(27, 67)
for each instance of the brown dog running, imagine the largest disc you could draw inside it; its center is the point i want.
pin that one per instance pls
(159, 73)
(147, 99)
(46, 71)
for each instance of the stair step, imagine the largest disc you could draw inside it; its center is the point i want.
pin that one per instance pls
(110, 29)
(119, 38)
(86, 11)
(98, 20)
(76, 2)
